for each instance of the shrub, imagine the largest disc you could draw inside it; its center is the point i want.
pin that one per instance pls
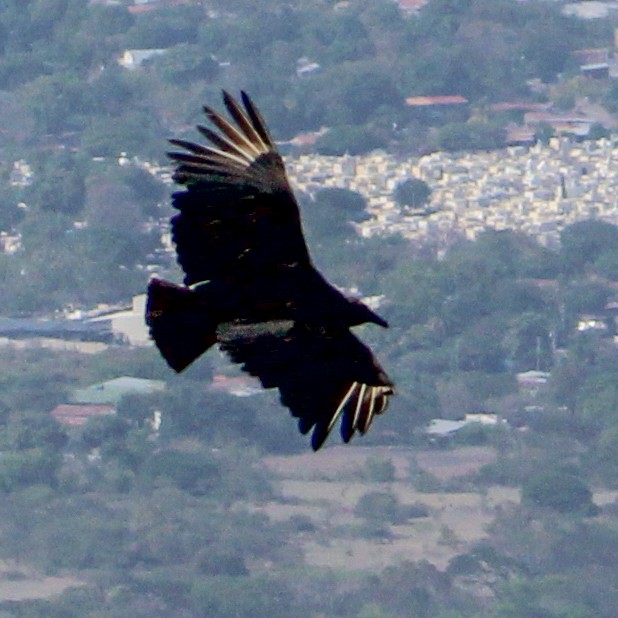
(379, 470)
(559, 489)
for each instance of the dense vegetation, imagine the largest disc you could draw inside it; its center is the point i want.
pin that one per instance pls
(69, 109)
(165, 524)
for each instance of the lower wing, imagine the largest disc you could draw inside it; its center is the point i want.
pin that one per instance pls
(322, 375)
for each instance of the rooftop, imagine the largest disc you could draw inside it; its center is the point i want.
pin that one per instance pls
(454, 99)
(77, 415)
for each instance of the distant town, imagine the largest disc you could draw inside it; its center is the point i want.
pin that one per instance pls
(536, 190)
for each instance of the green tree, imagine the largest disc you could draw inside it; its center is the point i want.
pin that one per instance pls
(330, 213)
(379, 506)
(472, 135)
(584, 242)
(27, 467)
(412, 192)
(10, 213)
(605, 455)
(597, 401)
(196, 473)
(29, 431)
(558, 489)
(101, 429)
(520, 598)
(59, 185)
(58, 103)
(222, 561)
(379, 470)
(167, 27)
(108, 20)
(348, 140)
(234, 597)
(186, 63)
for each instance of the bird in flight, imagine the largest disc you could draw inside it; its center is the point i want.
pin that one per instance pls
(250, 285)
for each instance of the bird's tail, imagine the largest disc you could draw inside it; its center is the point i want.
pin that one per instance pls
(179, 322)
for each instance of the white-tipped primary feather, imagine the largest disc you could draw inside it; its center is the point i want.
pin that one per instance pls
(212, 158)
(359, 406)
(222, 142)
(384, 391)
(366, 422)
(245, 123)
(228, 129)
(257, 122)
(379, 401)
(341, 407)
(238, 156)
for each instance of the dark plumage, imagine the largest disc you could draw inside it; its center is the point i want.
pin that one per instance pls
(250, 284)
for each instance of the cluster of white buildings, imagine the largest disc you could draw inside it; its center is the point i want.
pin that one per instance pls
(537, 190)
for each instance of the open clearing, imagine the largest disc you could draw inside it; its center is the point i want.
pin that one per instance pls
(21, 584)
(325, 487)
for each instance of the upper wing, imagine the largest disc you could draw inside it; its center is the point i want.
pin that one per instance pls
(321, 376)
(238, 215)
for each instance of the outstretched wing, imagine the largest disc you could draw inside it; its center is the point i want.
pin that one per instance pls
(238, 215)
(322, 376)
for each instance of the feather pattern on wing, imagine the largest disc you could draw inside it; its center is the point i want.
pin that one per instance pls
(238, 215)
(322, 376)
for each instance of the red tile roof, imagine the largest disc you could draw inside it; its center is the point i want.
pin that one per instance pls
(521, 106)
(454, 99)
(411, 5)
(136, 9)
(241, 386)
(77, 415)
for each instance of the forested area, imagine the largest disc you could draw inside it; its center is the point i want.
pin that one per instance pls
(154, 523)
(69, 109)
(168, 522)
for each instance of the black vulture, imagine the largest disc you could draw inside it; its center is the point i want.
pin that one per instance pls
(250, 285)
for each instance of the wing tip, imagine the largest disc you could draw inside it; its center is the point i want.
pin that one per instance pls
(359, 406)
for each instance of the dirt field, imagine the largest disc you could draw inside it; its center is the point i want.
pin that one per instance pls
(18, 584)
(325, 488)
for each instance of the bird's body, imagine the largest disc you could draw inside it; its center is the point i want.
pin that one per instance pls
(250, 284)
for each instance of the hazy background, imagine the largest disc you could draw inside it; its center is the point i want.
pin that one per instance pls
(487, 490)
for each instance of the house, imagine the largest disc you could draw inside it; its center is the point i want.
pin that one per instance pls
(517, 135)
(518, 106)
(530, 382)
(133, 59)
(112, 391)
(446, 108)
(597, 70)
(592, 322)
(577, 125)
(77, 415)
(441, 430)
(532, 378)
(436, 101)
(409, 7)
(239, 386)
(304, 66)
(591, 56)
(21, 175)
(10, 243)
(484, 418)
(57, 334)
(127, 325)
(305, 140)
(591, 9)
